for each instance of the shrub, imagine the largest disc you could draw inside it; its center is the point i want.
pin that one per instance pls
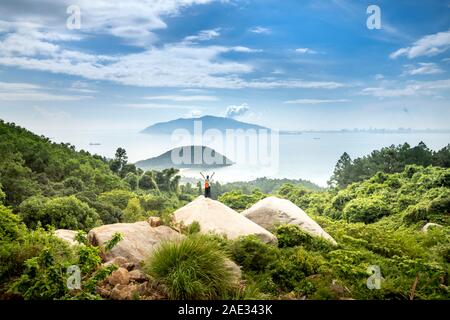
(2, 195)
(367, 210)
(133, 212)
(291, 235)
(252, 254)
(240, 201)
(193, 268)
(292, 267)
(117, 198)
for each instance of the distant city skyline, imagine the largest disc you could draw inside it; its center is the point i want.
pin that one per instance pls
(290, 65)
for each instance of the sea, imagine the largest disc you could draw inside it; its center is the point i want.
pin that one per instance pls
(310, 155)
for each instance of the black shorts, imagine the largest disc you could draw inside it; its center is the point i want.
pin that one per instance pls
(208, 192)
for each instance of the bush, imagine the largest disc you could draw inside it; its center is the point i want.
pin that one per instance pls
(292, 267)
(133, 212)
(252, 254)
(291, 235)
(2, 195)
(367, 210)
(239, 201)
(193, 269)
(117, 198)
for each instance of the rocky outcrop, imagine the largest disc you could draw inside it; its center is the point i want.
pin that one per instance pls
(273, 211)
(215, 217)
(139, 239)
(129, 283)
(67, 235)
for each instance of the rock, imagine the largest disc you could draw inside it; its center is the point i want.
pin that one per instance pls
(137, 276)
(214, 216)
(120, 276)
(139, 239)
(154, 221)
(118, 261)
(67, 235)
(273, 211)
(124, 292)
(428, 225)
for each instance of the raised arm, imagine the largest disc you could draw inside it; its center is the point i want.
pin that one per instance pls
(203, 176)
(212, 175)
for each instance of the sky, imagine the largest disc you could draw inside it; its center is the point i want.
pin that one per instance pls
(290, 65)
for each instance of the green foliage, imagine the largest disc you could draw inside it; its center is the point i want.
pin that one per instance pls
(290, 235)
(252, 254)
(239, 201)
(365, 210)
(116, 238)
(2, 195)
(193, 268)
(133, 212)
(117, 198)
(61, 213)
(193, 228)
(392, 159)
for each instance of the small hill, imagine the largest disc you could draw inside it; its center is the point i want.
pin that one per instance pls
(214, 216)
(186, 157)
(207, 122)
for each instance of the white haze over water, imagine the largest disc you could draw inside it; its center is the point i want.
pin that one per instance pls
(309, 156)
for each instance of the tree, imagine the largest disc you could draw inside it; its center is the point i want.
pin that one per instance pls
(147, 181)
(133, 212)
(341, 174)
(61, 213)
(120, 160)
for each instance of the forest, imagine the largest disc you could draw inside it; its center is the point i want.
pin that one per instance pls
(375, 207)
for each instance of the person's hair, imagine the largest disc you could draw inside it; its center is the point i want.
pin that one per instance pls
(207, 177)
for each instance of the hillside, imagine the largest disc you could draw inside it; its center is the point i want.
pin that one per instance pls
(195, 157)
(207, 122)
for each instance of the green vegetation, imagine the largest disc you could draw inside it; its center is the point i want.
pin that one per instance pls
(194, 268)
(388, 160)
(375, 210)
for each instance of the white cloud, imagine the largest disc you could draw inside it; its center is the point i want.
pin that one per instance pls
(235, 111)
(423, 68)
(315, 101)
(260, 30)
(429, 45)
(134, 22)
(182, 98)
(379, 76)
(204, 35)
(305, 51)
(10, 91)
(427, 88)
(244, 49)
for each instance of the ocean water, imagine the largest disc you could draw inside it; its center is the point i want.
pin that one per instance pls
(309, 156)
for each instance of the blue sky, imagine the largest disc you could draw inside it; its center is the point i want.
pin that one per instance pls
(283, 64)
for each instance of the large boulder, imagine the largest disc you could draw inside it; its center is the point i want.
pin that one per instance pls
(273, 211)
(213, 216)
(139, 239)
(67, 235)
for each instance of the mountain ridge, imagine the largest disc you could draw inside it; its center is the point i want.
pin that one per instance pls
(208, 122)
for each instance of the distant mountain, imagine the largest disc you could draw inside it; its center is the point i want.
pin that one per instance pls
(186, 157)
(208, 122)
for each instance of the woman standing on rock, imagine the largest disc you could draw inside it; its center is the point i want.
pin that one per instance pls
(207, 185)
